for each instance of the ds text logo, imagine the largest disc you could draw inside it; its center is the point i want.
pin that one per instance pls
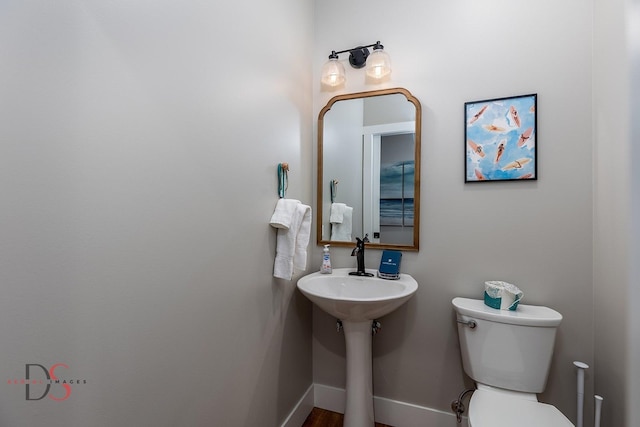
(50, 382)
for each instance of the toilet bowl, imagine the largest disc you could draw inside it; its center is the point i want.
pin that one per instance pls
(494, 409)
(508, 355)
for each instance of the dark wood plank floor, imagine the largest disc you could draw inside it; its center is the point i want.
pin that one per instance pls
(323, 418)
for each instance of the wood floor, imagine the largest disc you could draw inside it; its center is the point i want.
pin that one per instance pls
(323, 418)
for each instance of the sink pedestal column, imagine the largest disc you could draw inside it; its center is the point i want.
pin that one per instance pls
(359, 404)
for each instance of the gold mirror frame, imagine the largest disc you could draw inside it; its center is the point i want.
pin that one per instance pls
(321, 182)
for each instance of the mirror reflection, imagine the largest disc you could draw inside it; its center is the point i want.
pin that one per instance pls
(369, 169)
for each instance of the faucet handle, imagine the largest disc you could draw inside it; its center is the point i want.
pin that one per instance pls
(360, 241)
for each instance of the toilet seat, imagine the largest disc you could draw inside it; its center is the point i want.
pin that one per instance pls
(491, 409)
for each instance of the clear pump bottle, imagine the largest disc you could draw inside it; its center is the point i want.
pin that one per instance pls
(326, 261)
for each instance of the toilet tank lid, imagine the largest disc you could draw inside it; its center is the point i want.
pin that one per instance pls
(526, 315)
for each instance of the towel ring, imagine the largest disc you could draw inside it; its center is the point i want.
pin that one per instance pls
(333, 189)
(283, 179)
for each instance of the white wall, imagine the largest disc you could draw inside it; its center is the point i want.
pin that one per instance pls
(138, 151)
(447, 53)
(343, 145)
(615, 299)
(633, 39)
(138, 145)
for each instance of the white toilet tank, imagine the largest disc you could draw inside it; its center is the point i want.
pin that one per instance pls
(507, 349)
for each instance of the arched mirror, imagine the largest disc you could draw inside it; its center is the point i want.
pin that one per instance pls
(369, 170)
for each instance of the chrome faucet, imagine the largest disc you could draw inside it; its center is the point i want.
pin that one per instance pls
(358, 252)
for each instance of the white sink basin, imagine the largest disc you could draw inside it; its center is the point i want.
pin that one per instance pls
(356, 298)
(356, 301)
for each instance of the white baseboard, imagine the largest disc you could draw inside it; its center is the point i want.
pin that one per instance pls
(302, 409)
(387, 411)
(329, 398)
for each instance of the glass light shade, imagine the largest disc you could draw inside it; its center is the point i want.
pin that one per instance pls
(333, 73)
(378, 64)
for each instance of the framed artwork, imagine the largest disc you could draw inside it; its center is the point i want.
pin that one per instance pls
(396, 193)
(500, 139)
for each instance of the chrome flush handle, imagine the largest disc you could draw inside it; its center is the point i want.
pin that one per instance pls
(470, 323)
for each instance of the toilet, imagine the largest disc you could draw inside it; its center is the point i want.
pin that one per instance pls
(508, 354)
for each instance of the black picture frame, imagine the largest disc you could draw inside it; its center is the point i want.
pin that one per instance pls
(500, 139)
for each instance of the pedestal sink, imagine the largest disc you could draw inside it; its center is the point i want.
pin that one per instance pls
(357, 301)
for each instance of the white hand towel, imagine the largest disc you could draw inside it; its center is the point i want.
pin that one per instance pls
(291, 243)
(302, 239)
(337, 213)
(284, 213)
(342, 232)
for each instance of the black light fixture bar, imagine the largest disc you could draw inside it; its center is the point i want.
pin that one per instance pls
(357, 55)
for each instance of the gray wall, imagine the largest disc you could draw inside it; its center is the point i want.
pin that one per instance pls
(138, 151)
(537, 235)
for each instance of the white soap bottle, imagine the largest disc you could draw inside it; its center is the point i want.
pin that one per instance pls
(326, 261)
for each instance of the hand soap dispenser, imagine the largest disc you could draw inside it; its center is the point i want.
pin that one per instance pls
(326, 261)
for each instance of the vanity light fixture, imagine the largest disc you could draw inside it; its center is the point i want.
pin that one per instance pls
(378, 64)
